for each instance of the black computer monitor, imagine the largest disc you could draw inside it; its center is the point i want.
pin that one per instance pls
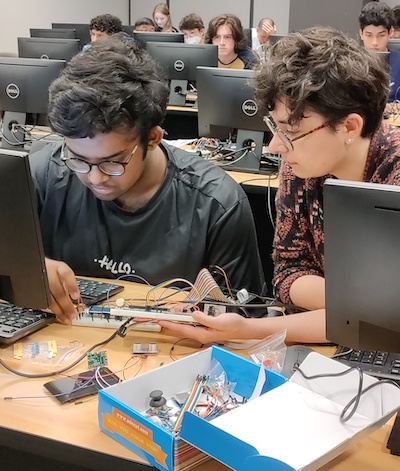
(82, 31)
(128, 29)
(362, 264)
(179, 62)
(394, 44)
(226, 104)
(273, 38)
(52, 33)
(48, 48)
(24, 89)
(143, 37)
(23, 278)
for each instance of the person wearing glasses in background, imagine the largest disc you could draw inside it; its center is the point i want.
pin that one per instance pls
(324, 98)
(227, 33)
(192, 27)
(114, 199)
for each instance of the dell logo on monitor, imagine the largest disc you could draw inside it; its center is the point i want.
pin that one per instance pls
(13, 91)
(44, 56)
(179, 65)
(249, 108)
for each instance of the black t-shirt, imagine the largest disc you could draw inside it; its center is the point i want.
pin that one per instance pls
(199, 217)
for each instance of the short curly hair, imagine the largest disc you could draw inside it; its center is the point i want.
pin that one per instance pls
(325, 71)
(113, 86)
(106, 23)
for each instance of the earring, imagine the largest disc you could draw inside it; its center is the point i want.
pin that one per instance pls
(350, 140)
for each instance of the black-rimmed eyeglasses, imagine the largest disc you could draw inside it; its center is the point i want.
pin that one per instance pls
(109, 167)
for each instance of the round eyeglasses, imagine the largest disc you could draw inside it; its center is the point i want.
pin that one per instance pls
(283, 136)
(108, 167)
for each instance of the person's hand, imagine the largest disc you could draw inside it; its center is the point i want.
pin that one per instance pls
(64, 289)
(212, 329)
(268, 28)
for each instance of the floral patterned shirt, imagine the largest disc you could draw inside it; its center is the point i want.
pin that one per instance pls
(298, 247)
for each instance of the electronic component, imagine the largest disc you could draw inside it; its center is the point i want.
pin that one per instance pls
(138, 348)
(180, 398)
(158, 405)
(98, 319)
(97, 359)
(81, 385)
(141, 313)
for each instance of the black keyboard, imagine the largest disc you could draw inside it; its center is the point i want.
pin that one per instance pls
(383, 365)
(94, 292)
(17, 322)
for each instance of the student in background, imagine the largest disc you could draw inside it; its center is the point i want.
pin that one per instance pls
(324, 97)
(114, 199)
(144, 24)
(162, 18)
(395, 34)
(260, 35)
(103, 26)
(376, 24)
(226, 32)
(192, 27)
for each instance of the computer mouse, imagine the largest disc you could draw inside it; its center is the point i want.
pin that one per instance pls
(295, 354)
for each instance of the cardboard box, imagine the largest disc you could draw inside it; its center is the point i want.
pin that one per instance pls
(121, 407)
(292, 425)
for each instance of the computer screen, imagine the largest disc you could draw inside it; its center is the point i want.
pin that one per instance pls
(24, 89)
(23, 278)
(225, 105)
(179, 62)
(143, 37)
(52, 33)
(128, 29)
(362, 264)
(273, 38)
(82, 31)
(48, 48)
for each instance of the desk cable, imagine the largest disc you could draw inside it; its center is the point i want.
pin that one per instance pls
(353, 404)
(121, 331)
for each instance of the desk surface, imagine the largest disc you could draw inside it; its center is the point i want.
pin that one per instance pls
(71, 432)
(254, 179)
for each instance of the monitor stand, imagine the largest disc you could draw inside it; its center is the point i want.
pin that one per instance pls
(251, 161)
(13, 139)
(177, 92)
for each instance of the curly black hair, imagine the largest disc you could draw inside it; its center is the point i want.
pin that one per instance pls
(106, 23)
(113, 86)
(326, 71)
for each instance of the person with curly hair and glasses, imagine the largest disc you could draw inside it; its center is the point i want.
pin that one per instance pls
(323, 97)
(227, 33)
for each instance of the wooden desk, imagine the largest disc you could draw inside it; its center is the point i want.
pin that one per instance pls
(251, 180)
(50, 436)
